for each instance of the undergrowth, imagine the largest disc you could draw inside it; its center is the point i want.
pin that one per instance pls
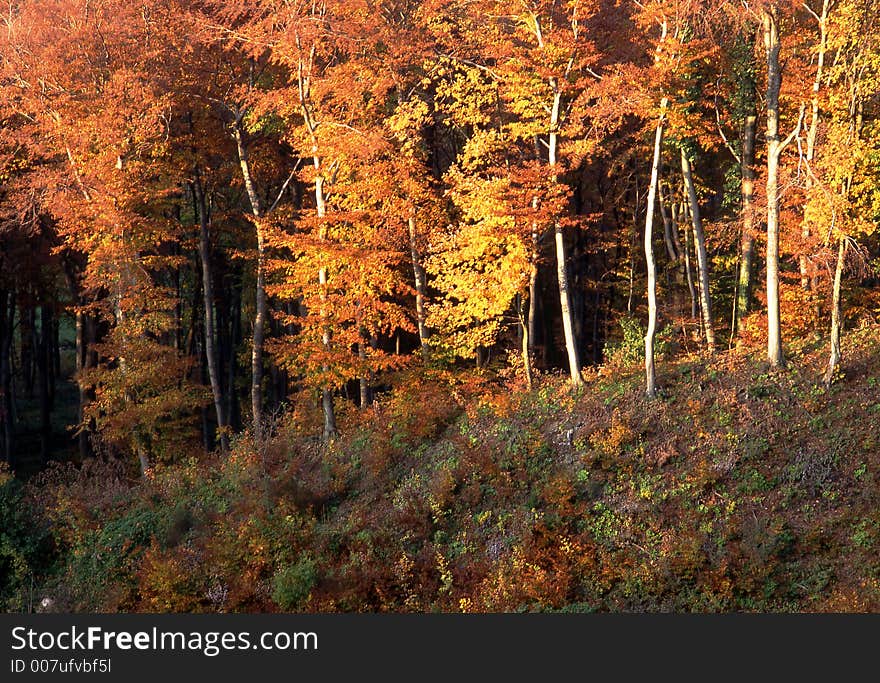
(739, 489)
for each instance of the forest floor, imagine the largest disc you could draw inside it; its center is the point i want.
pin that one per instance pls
(739, 489)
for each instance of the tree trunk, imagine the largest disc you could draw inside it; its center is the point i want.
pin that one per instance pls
(54, 359)
(82, 337)
(747, 240)
(86, 334)
(143, 459)
(366, 398)
(650, 380)
(177, 333)
(834, 356)
(260, 289)
(304, 89)
(208, 302)
(571, 347)
(677, 219)
(533, 306)
(631, 280)
(44, 360)
(700, 248)
(7, 321)
(327, 392)
(26, 338)
(812, 133)
(669, 233)
(421, 285)
(233, 405)
(526, 341)
(89, 361)
(533, 287)
(774, 150)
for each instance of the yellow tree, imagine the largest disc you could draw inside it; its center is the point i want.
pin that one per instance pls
(843, 200)
(483, 264)
(541, 55)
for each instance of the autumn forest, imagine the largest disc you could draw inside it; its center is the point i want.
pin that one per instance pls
(439, 305)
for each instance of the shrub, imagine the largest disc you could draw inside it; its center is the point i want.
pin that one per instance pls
(292, 584)
(631, 346)
(101, 567)
(26, 549)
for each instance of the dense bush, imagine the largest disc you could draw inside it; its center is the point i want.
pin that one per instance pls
(26, 549)
(292, 584)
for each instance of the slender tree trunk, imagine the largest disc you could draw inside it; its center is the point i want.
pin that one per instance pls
(525, 342)
(565, 304)
(366, 398)
(86, 334)
(775, 147)
(143, 458)
(631, 281)
(7, 321)
(650, 379)
(93, 331)
(211, 354)
(330, 430)
(678, 217)
(26, 337)
(261, 304)
(700, 248)
(304, 71)
(747, 240)
(812, 133)
(834, 356)
(82, 325)
(233, 406)
(208, 440)
(669, 233)
(138, 443)
(421, 285)
(533, 282)
(571, 347)
(178, 297)
(43, 363)
(533, 306)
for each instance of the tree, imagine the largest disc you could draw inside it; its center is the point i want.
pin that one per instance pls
(484, 263)
(775, 147)
(843, 195)
(544, 61)
(98, 113)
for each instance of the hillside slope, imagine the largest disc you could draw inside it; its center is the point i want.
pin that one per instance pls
(738, 489)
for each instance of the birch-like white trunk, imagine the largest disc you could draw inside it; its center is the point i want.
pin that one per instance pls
(650, 377)
(774, 150)
(812, 133)
(260, 302)
(326, 393)
(834, 355)
(574, 363)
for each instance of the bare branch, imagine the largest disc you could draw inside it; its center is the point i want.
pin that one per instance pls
(723, 136)
(797, 129)
(468, 62)
(286, 183)
(812, 13)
